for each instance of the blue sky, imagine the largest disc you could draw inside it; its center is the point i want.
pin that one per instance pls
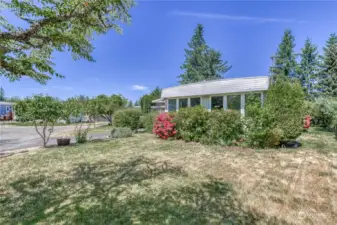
(151, 49)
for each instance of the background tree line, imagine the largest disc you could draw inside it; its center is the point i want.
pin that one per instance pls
(316, 72)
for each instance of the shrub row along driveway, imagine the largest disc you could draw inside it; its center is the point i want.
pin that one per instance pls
(19, 137)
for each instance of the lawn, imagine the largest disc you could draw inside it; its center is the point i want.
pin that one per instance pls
(144, 180)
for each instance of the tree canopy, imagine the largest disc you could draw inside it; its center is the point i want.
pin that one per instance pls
(202, 62)
(328, 75)
(285, 58)
(2, 94)
(308, 67)
(67, 25)
(43, 111)
(146, 100)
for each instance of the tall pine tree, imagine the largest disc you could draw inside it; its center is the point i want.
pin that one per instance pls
(284, 61)
(2, 94)
(328, 75)
(201, 62)
(308, 67)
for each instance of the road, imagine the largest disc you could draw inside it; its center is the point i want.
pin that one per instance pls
(20, 137)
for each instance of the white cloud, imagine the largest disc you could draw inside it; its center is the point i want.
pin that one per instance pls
(137, 87)
(234, 17)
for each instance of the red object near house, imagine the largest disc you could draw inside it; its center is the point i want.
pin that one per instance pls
(307, 122)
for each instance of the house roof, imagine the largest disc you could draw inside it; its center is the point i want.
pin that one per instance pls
(223, 86)
(159, 100)
(6, 103)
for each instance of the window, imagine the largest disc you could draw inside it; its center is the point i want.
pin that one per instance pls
(234, 102)
(195, 101)
(183, 103)
(217, 102)
(172, 105)
(8, 108)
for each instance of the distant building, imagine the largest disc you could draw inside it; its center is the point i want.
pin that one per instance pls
(6, 109)
(216, 94)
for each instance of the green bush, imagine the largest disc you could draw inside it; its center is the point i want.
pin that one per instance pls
(191, 123)
(127, 118)
(281, 118)
(147, 120)
(223, 127)
(121, 132)
(325, 113)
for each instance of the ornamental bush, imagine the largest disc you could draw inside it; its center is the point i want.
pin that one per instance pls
(147, 121)
(280, 119)
(127, 118)
(223, 127)
(164, 127)
(191, 123)
(121, 132)
(324, 113)
(284, 107)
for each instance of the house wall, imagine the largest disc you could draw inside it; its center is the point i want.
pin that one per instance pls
(206, 101)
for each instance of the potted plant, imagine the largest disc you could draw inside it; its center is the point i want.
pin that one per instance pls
(63, 141)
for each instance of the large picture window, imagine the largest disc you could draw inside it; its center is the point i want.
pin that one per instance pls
(183, 103)
(217, 102)
(172, 105)
(195, 101)
(234, 102)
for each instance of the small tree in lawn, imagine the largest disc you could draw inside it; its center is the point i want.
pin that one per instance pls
(107, 105)
(43, 111)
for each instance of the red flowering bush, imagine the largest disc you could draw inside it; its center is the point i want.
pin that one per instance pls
(163, 126)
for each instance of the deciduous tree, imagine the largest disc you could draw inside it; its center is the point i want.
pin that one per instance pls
(106, 106)
(54, 25)
(43, 111)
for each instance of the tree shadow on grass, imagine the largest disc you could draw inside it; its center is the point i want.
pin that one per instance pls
(120, 193)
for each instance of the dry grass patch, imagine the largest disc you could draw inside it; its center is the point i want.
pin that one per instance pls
(144, 180)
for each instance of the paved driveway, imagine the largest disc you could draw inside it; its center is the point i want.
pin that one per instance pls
(17, 137)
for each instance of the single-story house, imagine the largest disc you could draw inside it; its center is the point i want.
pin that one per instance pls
(6, 108)
(158, 105)
(216, 94)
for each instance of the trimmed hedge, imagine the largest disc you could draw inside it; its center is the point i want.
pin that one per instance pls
(215, 127)
(127, 118)
(191, 123)
(223, 127)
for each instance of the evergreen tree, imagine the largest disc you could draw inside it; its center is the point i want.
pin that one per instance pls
(2, 94)
(136, 103)
(146, 100)
(309, 67)
(201, 62)
(130, 104)
(328, 75)
(284, 61)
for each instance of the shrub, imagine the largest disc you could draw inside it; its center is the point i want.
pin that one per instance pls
(281, 118)
(325, 113)
(127, 118)
(164, 126)
(284, 107)
(121, 132)
(191, 123)
(81, 134)
(223, 127)
(147, 121)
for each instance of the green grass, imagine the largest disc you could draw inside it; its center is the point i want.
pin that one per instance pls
(145, 180)
(320, 140)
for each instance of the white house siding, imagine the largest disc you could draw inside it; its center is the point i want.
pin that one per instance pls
(206, 102)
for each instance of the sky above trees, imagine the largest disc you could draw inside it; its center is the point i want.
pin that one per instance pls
(151, 50)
